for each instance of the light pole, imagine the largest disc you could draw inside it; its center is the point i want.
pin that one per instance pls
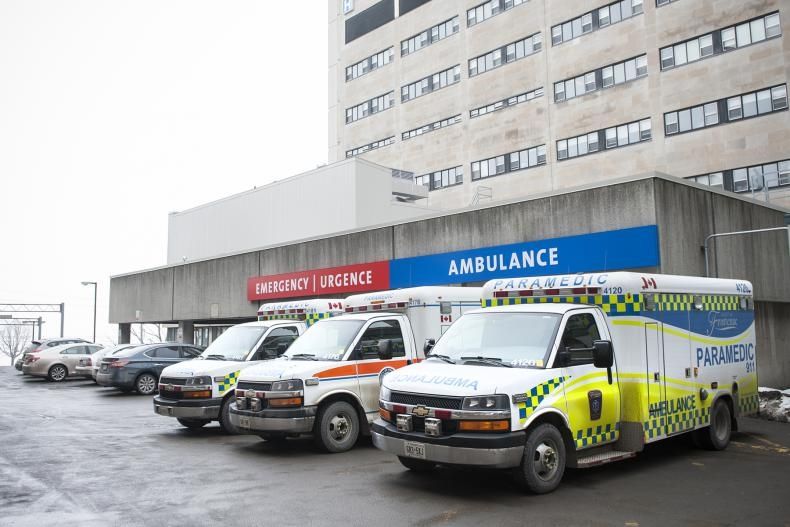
(95, 287)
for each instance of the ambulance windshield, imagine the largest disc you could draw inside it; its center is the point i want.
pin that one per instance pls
(325, 340)
(516, 339)
(234, 344)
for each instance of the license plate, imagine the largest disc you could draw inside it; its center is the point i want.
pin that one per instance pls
(103, 367)
(244, 422)
(416, 450)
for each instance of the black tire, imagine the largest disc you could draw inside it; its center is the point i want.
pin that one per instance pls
(193, 424)
(145, 384)
(57, 373)
(543, 463)
(417, 465)
(716, 436)
(336, 427)
(224, 418)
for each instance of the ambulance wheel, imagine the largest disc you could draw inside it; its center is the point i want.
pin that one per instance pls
(336, 427)
(57, 373)
(193, 424)
(543, 463)
(224, 418)
(717, 435)
(416, 465)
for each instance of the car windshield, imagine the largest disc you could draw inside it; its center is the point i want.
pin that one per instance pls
(235, 343)
(515, 339)
(325, 340)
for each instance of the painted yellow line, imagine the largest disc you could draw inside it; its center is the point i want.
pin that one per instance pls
(684, 334)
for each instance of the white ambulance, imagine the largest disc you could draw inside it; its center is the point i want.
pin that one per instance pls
(199, 391)
(576, 371)
(327, 383)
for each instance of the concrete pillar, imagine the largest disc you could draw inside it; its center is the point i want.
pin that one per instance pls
(186, 332)
(124, 333)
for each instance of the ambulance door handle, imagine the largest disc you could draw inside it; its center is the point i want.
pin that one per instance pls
(657, 376)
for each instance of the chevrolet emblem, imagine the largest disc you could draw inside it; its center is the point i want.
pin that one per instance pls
(420, 411)
(250, 393)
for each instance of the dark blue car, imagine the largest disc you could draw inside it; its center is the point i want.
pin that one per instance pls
(139, 368)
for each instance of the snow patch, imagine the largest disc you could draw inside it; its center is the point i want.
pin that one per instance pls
(775, 404)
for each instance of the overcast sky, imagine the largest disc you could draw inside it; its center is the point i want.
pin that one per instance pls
(114, 113)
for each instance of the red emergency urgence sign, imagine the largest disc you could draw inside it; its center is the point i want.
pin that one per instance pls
(358, 278)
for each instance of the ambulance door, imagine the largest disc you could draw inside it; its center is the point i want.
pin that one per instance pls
(380, 347)
(593, 402)
(655, 380)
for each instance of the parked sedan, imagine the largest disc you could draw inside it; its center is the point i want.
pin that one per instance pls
(139, 368)
(35, 346)
(90, 366)
(59, 362)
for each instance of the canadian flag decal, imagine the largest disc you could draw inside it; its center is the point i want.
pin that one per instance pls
(446, 318)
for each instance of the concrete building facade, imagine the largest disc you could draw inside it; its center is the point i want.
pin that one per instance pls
(510, 98)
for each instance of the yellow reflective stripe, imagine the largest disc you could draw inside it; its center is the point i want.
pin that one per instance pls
(683, 334)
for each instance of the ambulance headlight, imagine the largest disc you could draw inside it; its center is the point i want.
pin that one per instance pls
(385, 394)
(486, 402)
(287, 386)
(198, 381)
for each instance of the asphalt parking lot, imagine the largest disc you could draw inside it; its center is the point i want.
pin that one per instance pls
(77, 454)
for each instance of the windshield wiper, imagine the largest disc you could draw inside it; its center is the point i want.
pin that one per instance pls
(493, 361)
(303, 356)
(445, 358)
(214, 357)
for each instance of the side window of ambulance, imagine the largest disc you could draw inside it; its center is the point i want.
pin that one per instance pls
(276, 343)
(580, 333)
(380, 333)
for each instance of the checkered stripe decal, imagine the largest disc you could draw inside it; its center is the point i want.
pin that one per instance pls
(229, 381)
(720, 303)
(596, 435)
(312, 318)
(627, 304)
(536, 396)
(678, 422)
(674, 302)
(280, 317)
(749, 404)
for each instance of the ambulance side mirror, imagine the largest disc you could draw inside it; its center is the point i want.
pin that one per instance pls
(385, 349)
(603, 356)
(429, 344)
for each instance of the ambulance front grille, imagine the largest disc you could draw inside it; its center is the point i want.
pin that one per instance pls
(431, 401)
(258, 386)
(172, 380)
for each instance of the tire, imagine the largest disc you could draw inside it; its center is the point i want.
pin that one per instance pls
(417, 465)
(543, 463)
(224, 418)
(145, 384)
(193, 424)
(57, 373)
(715, 436)
(336, 427)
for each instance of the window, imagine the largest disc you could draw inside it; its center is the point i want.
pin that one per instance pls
(370, 107)
(661, 3)
(447, 177)
(431, 83)
(384, 335)
(743, 34)
(488, 9)
(749, 179)
(511, 53)
(506, 103)
(429, 36)
(586, 23)
(369, 64)
(611, 75)
(370, 146)
(166, 352)
(430, 127)
(276, 343)
(616, 136)
(578, 337)
(519, 160)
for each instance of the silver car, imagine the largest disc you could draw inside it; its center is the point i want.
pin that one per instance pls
(59, 362)
(90, 367)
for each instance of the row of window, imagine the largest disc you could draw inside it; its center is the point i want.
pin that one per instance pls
(506, 103)
(370, 107)
(721, 41)
(506, 54)
(520, 160)
(749, 179)
(430, 127)
(660, 3)
(606, 139)
(595, 19)
(429, 36)
(601, 78)
(370, 146)
(368, 64)
(431, 83)
(726, 110)
(486, 10)
(441, 178)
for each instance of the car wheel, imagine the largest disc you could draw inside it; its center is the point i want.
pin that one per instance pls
(336, 427)
(145, 384)
(57, 373)
(543, 463)
(417, 465)
(193, 424)
(716, 436)
(224, 418)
